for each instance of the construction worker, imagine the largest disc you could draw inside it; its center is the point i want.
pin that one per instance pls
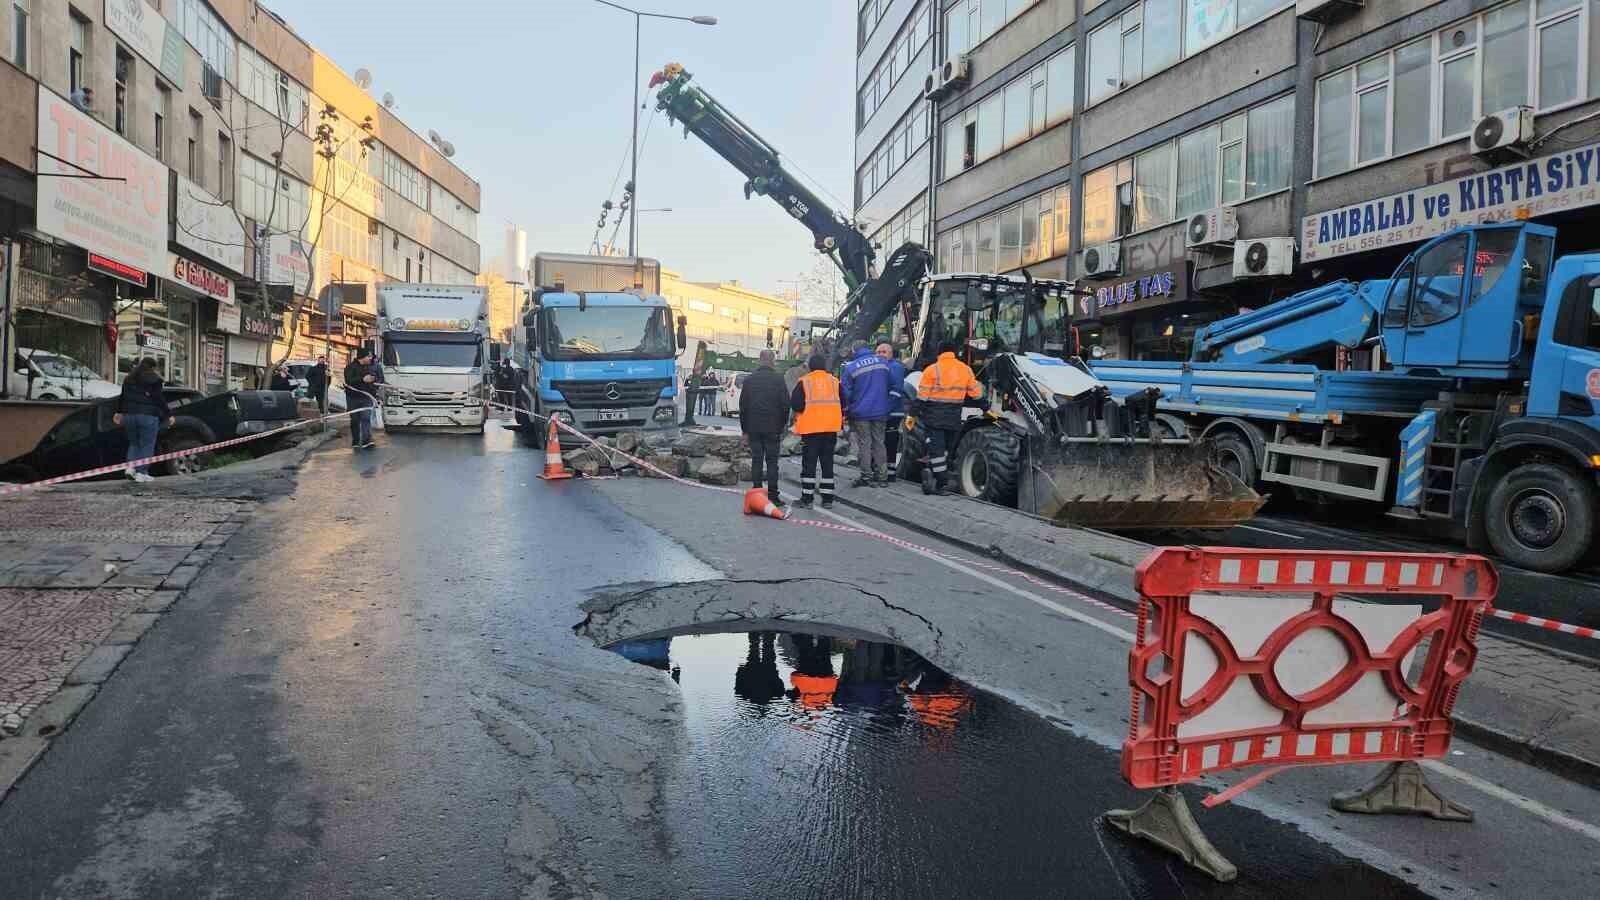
(818, 418)
(944, 388)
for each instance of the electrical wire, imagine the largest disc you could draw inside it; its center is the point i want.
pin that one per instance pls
(643, 143)
(594, 240)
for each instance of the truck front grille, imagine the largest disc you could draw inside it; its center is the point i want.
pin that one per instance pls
(599, 394)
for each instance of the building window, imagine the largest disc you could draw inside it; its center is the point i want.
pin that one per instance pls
(1152, 35)
(1022, 109)
(905, 138)
(271, 197)
(207, 34)
(969, 23)
(1034, 230)
(196, 123)
(19, 33)
(700, 306)
(1432, 90)
(404, 179)
(1153, 187)
(896, 61)
(124, 76)
(163, 111)
(265, 85)
(77, 52)
(224, 166)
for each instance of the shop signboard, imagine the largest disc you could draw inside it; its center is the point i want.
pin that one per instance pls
(1142, 290)
(1524, 190)
(149, 34)
(216, 360)
(200, 279)
(154, 341)
(282, 259)
(121, 215)
(208, 226)
(107, 266)
(255, 327)
(228, 318)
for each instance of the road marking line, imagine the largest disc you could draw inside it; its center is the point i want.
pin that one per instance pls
(1051, 605)
(1526, 804)
(1282, 534)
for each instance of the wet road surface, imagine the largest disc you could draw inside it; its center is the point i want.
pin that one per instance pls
(376, 689)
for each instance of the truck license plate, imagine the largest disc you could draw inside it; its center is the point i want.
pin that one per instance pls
(611, 415)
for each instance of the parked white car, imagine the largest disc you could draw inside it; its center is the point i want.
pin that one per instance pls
(297, 377)
(43, 375)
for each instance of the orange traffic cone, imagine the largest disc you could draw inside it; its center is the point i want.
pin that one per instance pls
(553, 469)
(757, 504)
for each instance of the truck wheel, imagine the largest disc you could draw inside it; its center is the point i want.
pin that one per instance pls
(987, 463)
(908, 456)
(1234, 455)
(183, 465)
(1541, 517)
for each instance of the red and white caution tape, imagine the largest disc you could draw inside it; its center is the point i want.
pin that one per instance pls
(163, 457)
(1547, 624)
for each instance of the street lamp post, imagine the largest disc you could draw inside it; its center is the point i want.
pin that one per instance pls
(633, 178)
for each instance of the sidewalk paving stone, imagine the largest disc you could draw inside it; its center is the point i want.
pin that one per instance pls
(44, 633)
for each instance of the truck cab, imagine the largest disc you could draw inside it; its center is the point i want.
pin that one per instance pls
(434, 346)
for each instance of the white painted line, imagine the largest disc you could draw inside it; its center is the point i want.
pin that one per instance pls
(1051, 605)
(1532, 807)
(1271, 532)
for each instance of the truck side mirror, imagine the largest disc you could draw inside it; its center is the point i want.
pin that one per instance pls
(769, 338)
(976, 301)
(530, 335)
(683, 333)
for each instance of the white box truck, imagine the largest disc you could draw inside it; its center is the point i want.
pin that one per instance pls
(433, 342)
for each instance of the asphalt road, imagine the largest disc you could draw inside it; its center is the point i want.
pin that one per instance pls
(390, 683)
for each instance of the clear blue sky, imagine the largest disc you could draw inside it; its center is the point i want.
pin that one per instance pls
(535, 95)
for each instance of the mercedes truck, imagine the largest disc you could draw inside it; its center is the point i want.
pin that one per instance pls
(433, 341)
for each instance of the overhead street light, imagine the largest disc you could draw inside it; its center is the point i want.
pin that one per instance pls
(638, 17)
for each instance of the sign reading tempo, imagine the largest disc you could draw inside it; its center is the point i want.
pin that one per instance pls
(122, 213)
(1523, 190)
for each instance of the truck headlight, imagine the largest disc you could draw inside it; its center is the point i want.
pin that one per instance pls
(564, 416)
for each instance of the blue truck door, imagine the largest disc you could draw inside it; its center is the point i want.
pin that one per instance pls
(1566, 374)
(1433, 326)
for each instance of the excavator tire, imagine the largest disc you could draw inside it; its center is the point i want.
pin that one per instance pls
(988, 463)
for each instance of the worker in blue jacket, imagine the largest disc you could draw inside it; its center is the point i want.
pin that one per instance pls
(865, 390)
(897, 403)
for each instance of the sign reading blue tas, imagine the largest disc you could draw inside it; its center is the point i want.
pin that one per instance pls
(1522, 190)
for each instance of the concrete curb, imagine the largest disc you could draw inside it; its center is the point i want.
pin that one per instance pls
(1108, 570)
(50, 719)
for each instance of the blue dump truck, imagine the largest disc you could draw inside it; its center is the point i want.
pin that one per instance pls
(1484, 415)
(597, 347)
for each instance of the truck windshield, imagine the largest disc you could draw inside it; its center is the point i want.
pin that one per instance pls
(608, 331)
(446, 354)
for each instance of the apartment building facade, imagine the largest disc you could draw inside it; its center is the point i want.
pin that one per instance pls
(1141, 145)
(728, 316)
(161, 193)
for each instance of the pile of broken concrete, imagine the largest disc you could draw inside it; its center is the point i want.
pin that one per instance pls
(710, 455)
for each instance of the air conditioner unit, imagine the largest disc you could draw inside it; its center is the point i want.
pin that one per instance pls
(933, 85)
(1505, 132)
(1325, 10)
(1263, 257)
(955, 73)
(1212, 227)
(1102, 261)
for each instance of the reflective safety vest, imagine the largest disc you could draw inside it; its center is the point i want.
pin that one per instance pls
(948, 380)
(816, 691)
(822, 414)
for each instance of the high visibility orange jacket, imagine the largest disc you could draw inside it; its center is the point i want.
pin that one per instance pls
(948, 380)
(816, 691)
(822, 413)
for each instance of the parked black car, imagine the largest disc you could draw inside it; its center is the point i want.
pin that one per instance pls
(88, 438)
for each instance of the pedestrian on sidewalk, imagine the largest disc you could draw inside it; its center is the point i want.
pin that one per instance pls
(865, 389)
(280, 380)
(763, 413)
(897, 406)
(141, 410)
(317, 384)
(361, 380)
(818, 418)
(708, 394)
(945, 387)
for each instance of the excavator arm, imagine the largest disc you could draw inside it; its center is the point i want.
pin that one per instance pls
(873, 298)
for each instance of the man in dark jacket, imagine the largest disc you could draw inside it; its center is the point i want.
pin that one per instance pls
(361, 380)
(897, 405)
(141, 410)
(280, 380)
(317, 384)
(763, 413)
(865, 389)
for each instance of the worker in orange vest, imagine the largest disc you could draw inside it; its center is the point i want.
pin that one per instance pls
(818, 418)
(945, 386)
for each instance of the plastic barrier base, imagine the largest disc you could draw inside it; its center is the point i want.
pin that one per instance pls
(1401, 789)
(1165, 820)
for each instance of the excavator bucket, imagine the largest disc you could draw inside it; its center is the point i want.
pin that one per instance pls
(1121, 484)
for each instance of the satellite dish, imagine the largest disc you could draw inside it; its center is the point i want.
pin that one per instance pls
(388, 100)
(447, 148)
(363, 79)
(434, 136)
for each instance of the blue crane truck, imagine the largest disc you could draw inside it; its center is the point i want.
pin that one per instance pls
(596, 349)
(1485, 417)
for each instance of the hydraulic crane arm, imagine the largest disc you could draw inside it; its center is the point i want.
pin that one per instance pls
(735, 142)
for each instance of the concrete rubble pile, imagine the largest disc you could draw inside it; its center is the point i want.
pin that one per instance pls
(712, 456)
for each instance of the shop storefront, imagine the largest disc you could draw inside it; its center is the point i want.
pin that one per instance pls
(1149, 315)
(249, 353)
(212, 295)
(162, 329)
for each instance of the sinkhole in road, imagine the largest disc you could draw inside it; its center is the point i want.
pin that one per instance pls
(824, 760)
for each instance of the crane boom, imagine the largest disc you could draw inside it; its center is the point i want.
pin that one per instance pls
(872, 298)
